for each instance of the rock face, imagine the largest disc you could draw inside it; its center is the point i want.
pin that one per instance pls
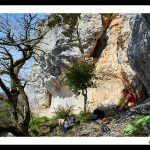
(142, 109)
(139, 51)
(117, 43)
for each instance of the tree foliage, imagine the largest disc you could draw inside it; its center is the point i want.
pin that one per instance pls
(79, 77)
(69, 23)
(62, 19)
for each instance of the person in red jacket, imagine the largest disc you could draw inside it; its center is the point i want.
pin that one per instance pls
(127, 100)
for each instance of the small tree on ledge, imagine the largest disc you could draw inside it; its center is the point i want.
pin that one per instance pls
(79, 77)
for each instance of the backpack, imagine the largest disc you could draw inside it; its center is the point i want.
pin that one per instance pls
(98, 114)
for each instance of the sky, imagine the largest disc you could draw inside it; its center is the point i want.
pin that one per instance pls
(25, 72)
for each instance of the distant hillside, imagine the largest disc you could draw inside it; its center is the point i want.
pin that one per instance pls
(2, 93)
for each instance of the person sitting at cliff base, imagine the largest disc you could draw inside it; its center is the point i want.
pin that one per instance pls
(68, 122)
(127, 100)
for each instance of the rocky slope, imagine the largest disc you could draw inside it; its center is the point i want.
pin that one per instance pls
(117, 43)
(113, 126)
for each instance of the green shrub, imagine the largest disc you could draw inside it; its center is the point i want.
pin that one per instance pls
(137, 126)
(36, 122)
(84, 116)
(61, 112)
(5, 116)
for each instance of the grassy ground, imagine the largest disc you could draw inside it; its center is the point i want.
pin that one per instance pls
(39, 125)
(44, 126)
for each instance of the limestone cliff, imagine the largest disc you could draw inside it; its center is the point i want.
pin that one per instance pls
(117, 43)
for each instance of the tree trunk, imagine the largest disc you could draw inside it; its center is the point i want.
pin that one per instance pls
(84, 103)
(17, 131)
(85, 99)
(25, 101)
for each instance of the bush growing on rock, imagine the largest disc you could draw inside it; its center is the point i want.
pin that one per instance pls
(61, 112)
(84, 116)
(37, 123)
(137, 126)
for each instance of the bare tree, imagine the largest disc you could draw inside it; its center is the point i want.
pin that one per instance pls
(19, 38)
